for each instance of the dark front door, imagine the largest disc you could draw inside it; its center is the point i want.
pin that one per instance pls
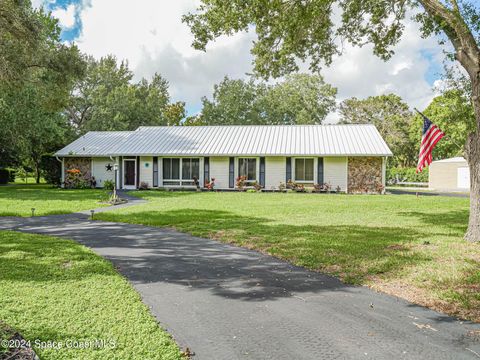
(129, 173)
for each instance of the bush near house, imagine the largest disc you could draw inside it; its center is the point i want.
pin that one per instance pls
(51, 170)
(4, 176)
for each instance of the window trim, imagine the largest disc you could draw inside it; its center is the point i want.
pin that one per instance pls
(257, 169)
(294, 170)
(180, 182)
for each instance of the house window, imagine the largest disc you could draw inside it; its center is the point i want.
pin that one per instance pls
(180, 171)
(304, 170)
(248, 167)
(190, 169)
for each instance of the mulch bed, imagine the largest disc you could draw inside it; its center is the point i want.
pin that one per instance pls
(23, 352)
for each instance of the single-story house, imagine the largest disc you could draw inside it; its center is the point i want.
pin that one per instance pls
(351, 158)
(449, 175)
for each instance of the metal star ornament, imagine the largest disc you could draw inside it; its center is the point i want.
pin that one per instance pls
(109, 167)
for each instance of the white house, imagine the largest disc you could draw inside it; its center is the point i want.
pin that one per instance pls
(349, 157)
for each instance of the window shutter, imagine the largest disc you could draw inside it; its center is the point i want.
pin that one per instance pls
(155, 171)
(320, 176)
(231, 173)
(262, 171)
(289, 170)
(138, 172)
(206, 170)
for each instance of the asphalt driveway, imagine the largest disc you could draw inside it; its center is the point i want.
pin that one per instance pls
(225, 302)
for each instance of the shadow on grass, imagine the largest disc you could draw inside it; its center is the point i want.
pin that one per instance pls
(455, 220)
(44, 259)
(149, 255)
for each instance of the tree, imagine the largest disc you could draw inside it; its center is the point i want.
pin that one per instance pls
(393, 119)
(453, 113)
(299, 99)
(289, 31)
(37, 72)
(235, 102)
(107, 99)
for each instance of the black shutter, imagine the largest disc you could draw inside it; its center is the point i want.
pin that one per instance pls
(206, 170)
(120, 173)
(138, 172)
(262, 171)
(231, 173)
(155, 171)
(288, 176)
(320, 171)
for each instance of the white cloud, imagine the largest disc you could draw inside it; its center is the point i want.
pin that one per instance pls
(66, 16)
(152, 37)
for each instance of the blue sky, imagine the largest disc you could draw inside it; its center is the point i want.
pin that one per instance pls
(150, 35)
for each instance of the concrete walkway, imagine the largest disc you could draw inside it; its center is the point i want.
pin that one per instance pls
(225, 302)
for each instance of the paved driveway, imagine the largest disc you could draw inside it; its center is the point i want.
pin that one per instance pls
(225, 302)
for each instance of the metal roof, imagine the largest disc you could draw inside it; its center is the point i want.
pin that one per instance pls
(273, 140)
(452, 160)
(95, 143)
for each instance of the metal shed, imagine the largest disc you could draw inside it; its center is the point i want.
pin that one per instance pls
(449, 174)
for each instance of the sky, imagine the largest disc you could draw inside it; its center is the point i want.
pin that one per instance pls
(150, 35)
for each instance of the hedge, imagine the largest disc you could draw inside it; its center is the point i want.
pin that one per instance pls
(406, 175)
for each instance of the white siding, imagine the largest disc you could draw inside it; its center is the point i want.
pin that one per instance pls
(146, 170)
(335, 172)
(99, 170)
(219, 171)
(275, 171)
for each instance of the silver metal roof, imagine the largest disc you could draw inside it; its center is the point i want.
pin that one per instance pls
(280, 140)
(95, 143)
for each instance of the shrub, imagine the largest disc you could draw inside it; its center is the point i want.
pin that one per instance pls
(241, 182)
(74, 180)
(51, 169)
(11, 177)
(257, 186)
(282, 187)
(210, 185)
(4, 176)
(143, 186)
(108, 184)
(399, 174)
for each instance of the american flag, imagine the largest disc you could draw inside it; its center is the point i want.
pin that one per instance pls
(430, 137)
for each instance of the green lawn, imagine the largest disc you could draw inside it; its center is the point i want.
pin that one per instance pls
(57, 290)
(403, 245)
(18, 200)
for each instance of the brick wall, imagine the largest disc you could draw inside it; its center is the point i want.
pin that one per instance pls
(364, 174)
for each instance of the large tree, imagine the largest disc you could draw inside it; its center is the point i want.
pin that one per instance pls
(393, 119)
(37, 72)
(106, 98)
(314, 31)
(298, 99)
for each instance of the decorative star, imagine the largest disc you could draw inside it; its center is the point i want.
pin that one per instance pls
(109, 167)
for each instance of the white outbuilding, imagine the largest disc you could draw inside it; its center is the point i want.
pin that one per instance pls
(449, 175)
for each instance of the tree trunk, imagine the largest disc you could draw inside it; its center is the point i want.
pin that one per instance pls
(473, 157)
(37, 173)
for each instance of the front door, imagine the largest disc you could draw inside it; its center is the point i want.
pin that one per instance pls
(129, 180)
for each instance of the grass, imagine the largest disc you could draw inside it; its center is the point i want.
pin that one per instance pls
(18, 200)
(57, 290)
(27, 180)
(403, 245)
